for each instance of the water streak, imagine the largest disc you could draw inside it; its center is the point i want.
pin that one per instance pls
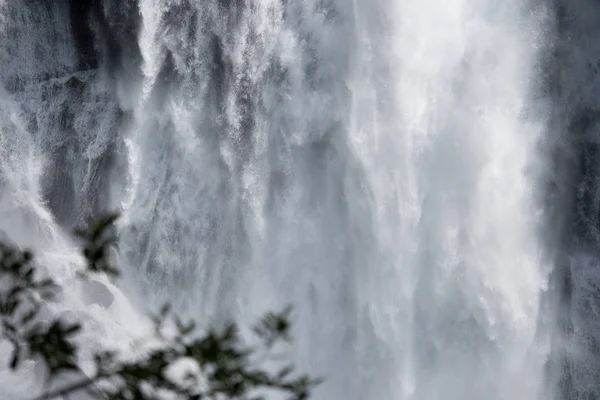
(379, 165)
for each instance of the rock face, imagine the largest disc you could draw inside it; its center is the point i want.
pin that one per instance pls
(80, 15)
(574, 89)
(100, 41)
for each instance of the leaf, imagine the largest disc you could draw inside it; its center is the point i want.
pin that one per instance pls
(47, 283)
(28, 317)
(28, 274)
(101, 225)
(164, 310)
(285, 372)
(15, 290)
(71, 330)
(11, 307)
(80, 232)
(15, 358)
(221, 354)
(9, 327)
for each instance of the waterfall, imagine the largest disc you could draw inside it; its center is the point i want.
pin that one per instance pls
(416, 177)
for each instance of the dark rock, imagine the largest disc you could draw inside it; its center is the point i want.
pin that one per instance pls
(80, 15)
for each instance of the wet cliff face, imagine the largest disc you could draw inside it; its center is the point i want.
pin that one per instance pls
(62, 84)
(67, 82)
(574, 93)
(80, 15)
(105, 32)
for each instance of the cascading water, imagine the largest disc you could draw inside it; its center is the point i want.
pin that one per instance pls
(381, 165)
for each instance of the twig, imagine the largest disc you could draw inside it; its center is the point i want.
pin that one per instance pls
(63, 392)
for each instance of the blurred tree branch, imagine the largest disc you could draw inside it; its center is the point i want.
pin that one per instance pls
(213, 365)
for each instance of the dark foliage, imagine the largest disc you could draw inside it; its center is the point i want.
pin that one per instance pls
(222, 366)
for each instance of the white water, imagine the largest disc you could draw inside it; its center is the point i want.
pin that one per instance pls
(376, 164)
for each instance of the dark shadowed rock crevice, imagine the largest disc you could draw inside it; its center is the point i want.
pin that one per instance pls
(80, 14)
